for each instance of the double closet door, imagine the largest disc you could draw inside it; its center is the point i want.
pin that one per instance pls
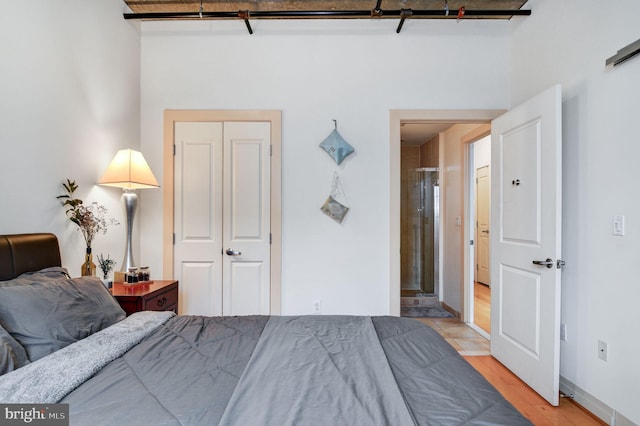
(221, 217)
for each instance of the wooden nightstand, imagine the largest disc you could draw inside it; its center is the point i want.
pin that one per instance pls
(159, 295)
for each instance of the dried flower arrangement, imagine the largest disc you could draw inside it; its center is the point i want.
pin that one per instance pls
(90, 219)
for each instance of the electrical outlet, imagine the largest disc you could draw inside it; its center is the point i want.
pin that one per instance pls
(317, 307)
(563, 332)
(602, 350)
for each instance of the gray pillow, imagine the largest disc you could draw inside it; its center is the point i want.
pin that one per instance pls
(46, 274)
(12, 354)
(47, 315)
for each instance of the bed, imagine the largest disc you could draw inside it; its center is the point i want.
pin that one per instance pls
(66, 340)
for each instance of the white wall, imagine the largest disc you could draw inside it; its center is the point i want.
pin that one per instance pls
(69, 98)
(316, 71)
(568, 42)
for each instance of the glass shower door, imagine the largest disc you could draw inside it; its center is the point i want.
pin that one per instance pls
(419, 269)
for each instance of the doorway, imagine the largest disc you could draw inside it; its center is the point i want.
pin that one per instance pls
(479, 209)
(458, 291)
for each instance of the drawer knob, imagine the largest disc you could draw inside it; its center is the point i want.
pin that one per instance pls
(162, 301)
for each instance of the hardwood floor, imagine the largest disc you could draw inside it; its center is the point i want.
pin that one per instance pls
(529, 403)
(482, 306)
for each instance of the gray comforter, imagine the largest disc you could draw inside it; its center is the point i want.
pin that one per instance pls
(308, 370)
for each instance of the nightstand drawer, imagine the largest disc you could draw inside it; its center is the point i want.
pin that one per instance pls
(166, 301)
(157, 295)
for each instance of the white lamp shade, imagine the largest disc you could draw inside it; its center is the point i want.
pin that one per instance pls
(129, 170)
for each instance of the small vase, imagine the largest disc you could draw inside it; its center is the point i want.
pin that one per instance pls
(88, 267)
(108, 282)
(108, 279)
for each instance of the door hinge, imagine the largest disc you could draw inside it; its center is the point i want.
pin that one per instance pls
(470, 242)
(560, 263)
(174, 149)
(270, 150)
(174, 238)
(270, 238)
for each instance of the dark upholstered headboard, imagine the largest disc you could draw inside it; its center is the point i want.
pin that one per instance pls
(20, 253)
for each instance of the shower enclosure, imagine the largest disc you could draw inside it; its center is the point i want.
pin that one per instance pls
(420, 233)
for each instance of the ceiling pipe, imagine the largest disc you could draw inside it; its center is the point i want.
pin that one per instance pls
(335, 14)
(377, 13)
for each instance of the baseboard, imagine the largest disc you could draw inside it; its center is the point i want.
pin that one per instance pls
(450, 310)
(593, 404)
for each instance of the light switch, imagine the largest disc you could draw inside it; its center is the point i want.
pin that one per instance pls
(618, 225)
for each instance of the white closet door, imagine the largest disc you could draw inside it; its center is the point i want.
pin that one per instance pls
(246, 218)
(198, 216)
(222, 249)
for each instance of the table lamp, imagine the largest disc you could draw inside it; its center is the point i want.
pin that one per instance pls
(129, 170)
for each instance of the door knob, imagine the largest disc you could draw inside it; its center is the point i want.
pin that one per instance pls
(230, 252)
(548, 263)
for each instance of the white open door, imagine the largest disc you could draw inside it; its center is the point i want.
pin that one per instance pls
(526, 202)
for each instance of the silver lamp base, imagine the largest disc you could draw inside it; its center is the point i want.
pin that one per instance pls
(129, 204)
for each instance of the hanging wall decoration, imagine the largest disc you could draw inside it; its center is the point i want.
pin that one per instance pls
(336, 146)
(336, 205)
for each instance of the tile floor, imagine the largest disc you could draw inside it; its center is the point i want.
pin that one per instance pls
(463, 338)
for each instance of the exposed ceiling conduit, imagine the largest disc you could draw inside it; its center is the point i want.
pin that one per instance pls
(377, 13)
